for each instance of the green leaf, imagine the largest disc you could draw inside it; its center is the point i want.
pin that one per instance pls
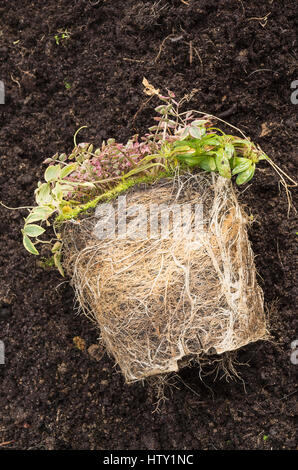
(29, 245)
(242, 142)
(223, 164)
(185, 156)
(196, 132)
(246, 175)
(33, 230)
(229, 150)
(243, 164)
(39, 213)
(44, 210)
(182, 156)
(218, 130)
(161, 109)
(33, 218)
(63, 156)
(207, 164)
(180, 143)
(57, 247)
(184, 149)
(191, 161)
(52, 172)
(57, 261)
(68, 169)
(199, 122)
(42, 194)
(211, 141)
(57, 192)
(66, 188)
(184, 133)
(236, 161)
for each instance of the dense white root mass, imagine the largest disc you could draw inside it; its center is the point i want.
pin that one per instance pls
(159, 300)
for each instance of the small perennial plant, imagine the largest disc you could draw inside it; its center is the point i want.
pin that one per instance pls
(74, 183)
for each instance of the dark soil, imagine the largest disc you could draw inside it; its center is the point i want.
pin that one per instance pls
(53, 394)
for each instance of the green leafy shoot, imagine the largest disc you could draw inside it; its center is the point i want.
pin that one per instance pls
(61, 36)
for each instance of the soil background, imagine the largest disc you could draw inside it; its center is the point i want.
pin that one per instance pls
(238, 59)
